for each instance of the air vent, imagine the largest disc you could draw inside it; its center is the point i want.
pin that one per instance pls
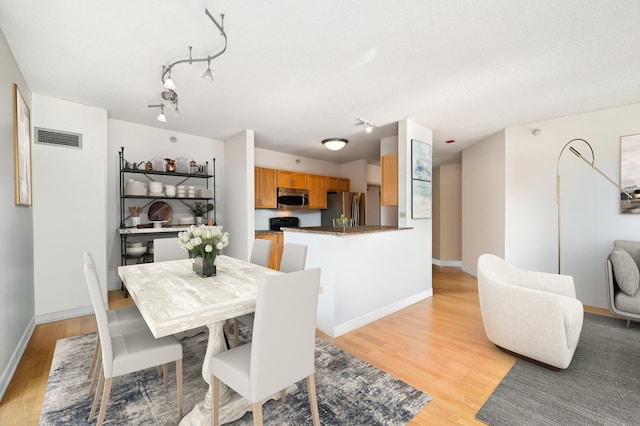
(57, 137)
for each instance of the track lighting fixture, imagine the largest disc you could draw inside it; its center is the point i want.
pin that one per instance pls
(368, 125)
(335, 144)
(167, 82)
(161, 117)
(207, 74)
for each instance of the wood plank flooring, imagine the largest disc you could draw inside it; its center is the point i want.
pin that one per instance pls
(437, 345)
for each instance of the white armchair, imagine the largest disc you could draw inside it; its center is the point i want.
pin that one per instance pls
(534, 315)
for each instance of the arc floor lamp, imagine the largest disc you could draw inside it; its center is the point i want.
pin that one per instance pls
(592, 163)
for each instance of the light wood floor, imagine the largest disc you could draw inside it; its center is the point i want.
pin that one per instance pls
(437, 345)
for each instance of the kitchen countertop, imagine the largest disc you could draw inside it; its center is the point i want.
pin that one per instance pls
(266, 232)
(344, 230)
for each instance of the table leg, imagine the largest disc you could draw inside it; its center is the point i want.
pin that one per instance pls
(232, 405)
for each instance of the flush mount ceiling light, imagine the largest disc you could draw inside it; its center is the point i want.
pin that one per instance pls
(368, 125)
(167, 82)
(335, 144)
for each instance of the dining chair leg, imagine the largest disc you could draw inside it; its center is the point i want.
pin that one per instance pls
(105, 400)
(165, 374)
(283, 395)
(96, 349)
(179, 386)
(159, 370)
(313, 400)
(236, 332)
(96, 397)
(256, 407)
(215, 400)
(97, 370)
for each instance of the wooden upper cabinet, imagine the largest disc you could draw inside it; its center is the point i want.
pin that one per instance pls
(343, 185)
(265, 188)
(317, 186)
(389, 180)
(294, 180)
(335, 184)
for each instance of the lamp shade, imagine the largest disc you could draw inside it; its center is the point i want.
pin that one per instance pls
(335, 144)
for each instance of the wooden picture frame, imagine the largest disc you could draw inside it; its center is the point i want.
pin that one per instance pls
(21, 148)
(421, 186)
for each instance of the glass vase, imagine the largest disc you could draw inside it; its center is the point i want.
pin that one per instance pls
(205, 266)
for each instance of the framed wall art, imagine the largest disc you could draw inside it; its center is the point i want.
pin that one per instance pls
(630, 173)
(421, 190)
(21, 148)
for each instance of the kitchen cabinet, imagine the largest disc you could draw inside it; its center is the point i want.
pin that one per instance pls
(336, 184)
(295, 180)
(277, 245)
(343, 185)
(389, 195)
(265, 188)
(317, 186)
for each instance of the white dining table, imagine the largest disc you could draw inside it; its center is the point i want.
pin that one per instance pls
(173, 299)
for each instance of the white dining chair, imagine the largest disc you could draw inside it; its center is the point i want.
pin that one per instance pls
(260, 252)
(131, 351)
(294, 258)
(259, 256)
(126, 318)
(274, 360)
(165, 249)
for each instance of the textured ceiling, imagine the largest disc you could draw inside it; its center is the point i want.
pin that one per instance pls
(298, 71)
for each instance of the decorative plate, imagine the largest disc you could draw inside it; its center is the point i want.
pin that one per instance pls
(160, 211)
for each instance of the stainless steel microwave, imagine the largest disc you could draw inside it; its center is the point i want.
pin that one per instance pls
(293, 198)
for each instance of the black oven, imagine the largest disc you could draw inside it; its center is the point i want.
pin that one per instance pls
(276, 223)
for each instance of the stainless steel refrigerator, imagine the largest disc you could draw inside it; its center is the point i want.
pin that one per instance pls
(351, 204)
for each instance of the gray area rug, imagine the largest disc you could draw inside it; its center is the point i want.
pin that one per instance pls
(600, 387)
(350, 391)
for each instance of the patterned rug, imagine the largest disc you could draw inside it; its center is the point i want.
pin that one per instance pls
(350, 391)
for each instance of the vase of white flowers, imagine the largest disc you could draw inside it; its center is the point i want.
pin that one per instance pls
(203, 244)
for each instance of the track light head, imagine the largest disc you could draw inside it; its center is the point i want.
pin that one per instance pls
(368, 125)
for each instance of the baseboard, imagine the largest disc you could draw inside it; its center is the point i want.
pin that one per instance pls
(438, 262)
(61, 315)
(8, 372)
(470, 272)
(345, 327)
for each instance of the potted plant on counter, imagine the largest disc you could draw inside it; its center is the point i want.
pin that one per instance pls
(199, 210)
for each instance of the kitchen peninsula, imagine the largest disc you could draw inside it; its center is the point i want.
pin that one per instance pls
(368, 272)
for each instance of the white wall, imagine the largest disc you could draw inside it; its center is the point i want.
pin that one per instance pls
(69, 217)
(408, 130)
(483, 204)
(374, 174)
(356, 172)
(16, 227)
(590, 205)
(143, 143)
(238, 206)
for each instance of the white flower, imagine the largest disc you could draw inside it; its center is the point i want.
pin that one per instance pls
(203, 240)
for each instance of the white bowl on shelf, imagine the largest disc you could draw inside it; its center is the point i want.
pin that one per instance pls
(131, 244)
(136, 251)
(186, 220)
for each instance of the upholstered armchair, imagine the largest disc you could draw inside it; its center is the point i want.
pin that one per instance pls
(623, 280)
(533, 315)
